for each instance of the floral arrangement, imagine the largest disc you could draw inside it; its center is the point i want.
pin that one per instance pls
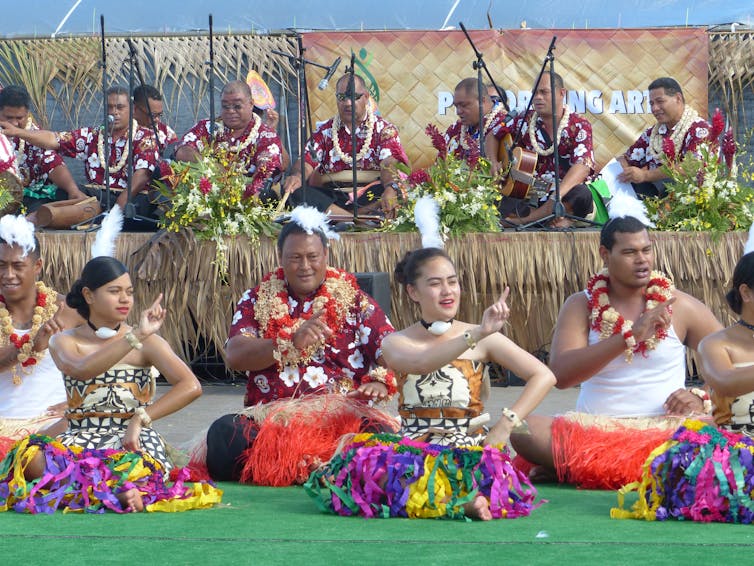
(212, 197)
(704, 193)
(464, 189)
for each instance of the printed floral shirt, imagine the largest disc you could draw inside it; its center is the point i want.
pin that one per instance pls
(165, 134)
(262, 157)
(386, 143)
(35, 163)
(455, 131)
(82, 144)
(575, 144)
(348, 356)
(638, 156)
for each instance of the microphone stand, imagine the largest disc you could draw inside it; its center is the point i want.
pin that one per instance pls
(140, 76)
(558, 209)
(352, 95)
(211, 64)
(299, 63)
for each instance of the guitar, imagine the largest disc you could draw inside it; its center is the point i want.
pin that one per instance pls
(518, 177)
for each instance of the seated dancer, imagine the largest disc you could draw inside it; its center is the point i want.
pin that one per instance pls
(624, 344)
(109, 456)
(46, 178)
(575, 152)
(32, 395)
(146, 98)
(442, 382)
(706, 473)
(676, 122)
(307, 328)
(87, 144)
(239, 132)
(327, 167)
(462, 137)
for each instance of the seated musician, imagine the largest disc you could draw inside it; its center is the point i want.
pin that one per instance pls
(576, 163)
(676, 121)
(328, 158)
(147, 98)
(463, 135)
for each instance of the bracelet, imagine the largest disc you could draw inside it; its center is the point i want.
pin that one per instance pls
(518, 425)
(382, 375)
(704, 396)
(470, 342)
(144, 418)
(133, 341)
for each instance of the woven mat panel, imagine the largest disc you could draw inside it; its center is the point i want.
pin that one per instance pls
(731, 68)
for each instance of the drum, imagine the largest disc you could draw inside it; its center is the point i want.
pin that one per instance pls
(63, 214)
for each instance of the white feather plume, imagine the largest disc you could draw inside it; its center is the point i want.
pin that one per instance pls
(104, 242)
(311, 219)
(427, 220)
(17, 231)
(749, 246)
(622, 204)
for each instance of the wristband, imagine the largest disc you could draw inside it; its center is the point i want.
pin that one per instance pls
(133, 341)
(704, 396)
(144, 418)
(519, 426)
(469, 339)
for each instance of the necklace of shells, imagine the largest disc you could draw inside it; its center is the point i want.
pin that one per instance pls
(680, 130)
(370, 119)
(533, 132)
(123, 157)
(240, 145)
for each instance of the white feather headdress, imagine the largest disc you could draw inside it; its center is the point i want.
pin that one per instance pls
(104, 242)
(17, 231)
(311, 219)
(623, 204)
(427, 220)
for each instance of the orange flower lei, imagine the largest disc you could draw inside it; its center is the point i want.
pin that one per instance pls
(608, 321)
(336, 296)
(43, 311)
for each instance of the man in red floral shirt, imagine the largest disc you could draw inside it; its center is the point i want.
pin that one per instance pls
(679, 129)
(87, 144)
(328, 161)
(45, 176)
(575, 151)
(307, 328)
(240, 131)
(146, 98)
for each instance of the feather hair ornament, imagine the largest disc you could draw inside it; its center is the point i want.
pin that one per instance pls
(17, 231)
(104, 242)
(749, 246)
(311, 219)
(622, 205)
(427, 220)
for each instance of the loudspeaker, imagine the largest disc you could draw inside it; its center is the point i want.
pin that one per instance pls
(376, 284)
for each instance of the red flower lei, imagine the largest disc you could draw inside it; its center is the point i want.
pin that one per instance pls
(608, 321)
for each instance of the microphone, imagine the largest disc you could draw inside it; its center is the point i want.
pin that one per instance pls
(110, 121)
(330, 72)
(511, 116)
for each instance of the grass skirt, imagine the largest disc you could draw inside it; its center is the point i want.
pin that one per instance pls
(386, 475)
(701, 474)
(89, 481)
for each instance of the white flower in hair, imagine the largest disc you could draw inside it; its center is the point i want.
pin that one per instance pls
(17, 231)
(622, 205)
(104, 242)
(311, 219)
(427, 220)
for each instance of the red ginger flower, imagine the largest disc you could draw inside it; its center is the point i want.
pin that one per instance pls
(668, 148)
(474, 154)
(729, 147)
(718, 125)
(418, 177)
(438, 141)
(205, 185)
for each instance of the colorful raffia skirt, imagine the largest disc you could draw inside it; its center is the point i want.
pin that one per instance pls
(702, 473)
(386, 475)
(80, 480)
(13, 430)
(598, 452)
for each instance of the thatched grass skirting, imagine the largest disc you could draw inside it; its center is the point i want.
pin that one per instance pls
(542, 269)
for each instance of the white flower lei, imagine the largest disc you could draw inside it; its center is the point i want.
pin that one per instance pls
(123, 157)
(240, 146)
(487, 121)
(680, 130)
(533, 132)
(370, 119)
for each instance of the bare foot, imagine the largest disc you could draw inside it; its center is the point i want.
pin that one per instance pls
(131, 499)
(543, 474)
(478, 509)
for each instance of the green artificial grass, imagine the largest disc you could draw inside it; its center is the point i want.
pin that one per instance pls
(256, 525)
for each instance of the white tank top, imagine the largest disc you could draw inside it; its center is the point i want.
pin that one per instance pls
(640, 388)
(38, 390)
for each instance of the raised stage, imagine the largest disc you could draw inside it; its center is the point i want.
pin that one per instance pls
(541, 268)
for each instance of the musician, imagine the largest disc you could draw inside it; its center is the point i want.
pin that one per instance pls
(146, 98)
(328, 161)
(676, 121)
(462, 137)
(45, 176)
(575, 151)
(240, 132)
(87, 144)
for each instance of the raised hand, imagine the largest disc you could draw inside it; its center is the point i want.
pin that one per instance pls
(495, 315)
(313, 331)
(8, 129)
(152, 318)
(657, 317)
(42, 338)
